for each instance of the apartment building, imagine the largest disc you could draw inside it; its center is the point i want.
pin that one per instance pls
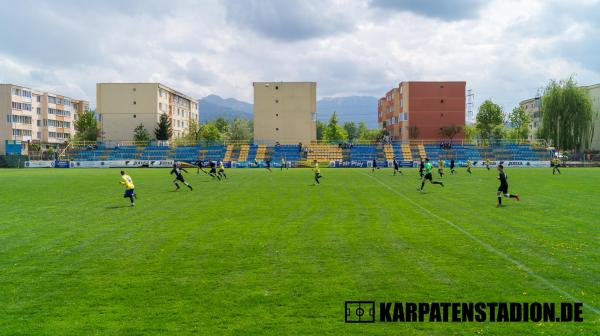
(285, 112)
(419, 110)
(123, 106)
(532, 109)
(34, 115)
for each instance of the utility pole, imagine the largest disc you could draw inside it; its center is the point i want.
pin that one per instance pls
(470, 104)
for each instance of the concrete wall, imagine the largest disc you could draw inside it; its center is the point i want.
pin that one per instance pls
(285, 112)
(433, 105)
(5, 108)
(122, 109)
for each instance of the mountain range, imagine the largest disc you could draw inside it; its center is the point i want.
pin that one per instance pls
(351, 108)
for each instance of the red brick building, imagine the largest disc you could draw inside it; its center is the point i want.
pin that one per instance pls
(419, 110)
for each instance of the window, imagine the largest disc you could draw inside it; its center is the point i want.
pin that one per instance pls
(51, 100)
(276, 87)
(38, 98)
(39, 135)
(38, 110)
(441, 114)
(134, 102)
(277, 128)
(442, 101)
(21, 132)
(39, 123)
(134, 116)
(277, 114)
(276, 101)
(133, 89)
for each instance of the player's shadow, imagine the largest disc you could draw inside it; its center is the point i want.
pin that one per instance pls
(118, 206)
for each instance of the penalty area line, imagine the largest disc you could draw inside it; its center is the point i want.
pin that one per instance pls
(489, 247)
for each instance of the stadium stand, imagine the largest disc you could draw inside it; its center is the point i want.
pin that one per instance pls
(252, 153)
(228, 152)
(213, 153)
(363, 153)
(324, 152)
(389, 152)
(288, 152)
(243, 156)
(398, 151)
(319, 152)
(261, 152)
(406, 152)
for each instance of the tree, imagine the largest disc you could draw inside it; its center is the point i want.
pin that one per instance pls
(193, 132)
(374, 135)
(210, 132)
(163, 131)
(221, 124)
(450, 131)
(489, 116)
(351, 130)
(362, 130)
(321, 130)
(519, 121)
(239, 130)
(567, 116)
(471, 132)
(140, 134)
(498, 132)
(335, 132)
(86, 126)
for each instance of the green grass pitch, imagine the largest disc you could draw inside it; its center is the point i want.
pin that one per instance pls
(269, 253)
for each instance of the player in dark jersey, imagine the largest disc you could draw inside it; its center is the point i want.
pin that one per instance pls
(421, 168)
(213, 170)
(428, 175)
(199, 165)
(397, 168)
(452, 171)
(179, 177)
(268, 165)
(374, 166)
(503, 188)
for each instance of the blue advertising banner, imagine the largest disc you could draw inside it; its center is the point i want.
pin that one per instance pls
(61, 164)
(13, 147)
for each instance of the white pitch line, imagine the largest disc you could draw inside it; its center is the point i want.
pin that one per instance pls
(490, 248)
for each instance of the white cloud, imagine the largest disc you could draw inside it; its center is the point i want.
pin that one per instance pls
(505, 50)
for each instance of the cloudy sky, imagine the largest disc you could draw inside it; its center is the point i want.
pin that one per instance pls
(504, 49)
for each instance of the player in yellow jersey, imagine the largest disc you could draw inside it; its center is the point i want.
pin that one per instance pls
(441, 165)
(555, 163)
(317, 172)
(487, 164)
(128, 183)
(469, 165)
(221, 172)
